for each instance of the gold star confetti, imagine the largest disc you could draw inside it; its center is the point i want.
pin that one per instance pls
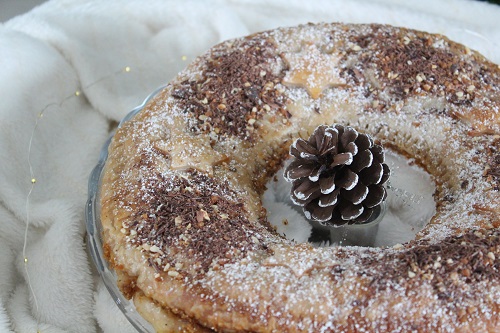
(312, 70)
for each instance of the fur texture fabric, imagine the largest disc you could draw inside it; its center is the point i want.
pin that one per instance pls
(63, 84)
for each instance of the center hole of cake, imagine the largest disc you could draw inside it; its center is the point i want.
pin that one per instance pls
(408, 208)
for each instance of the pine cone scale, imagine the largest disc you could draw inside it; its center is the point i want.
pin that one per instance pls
(351, 148)
(303, 203)
(317, 137)
(364, 142)
(357, 194)
(329, 199)
(348, 180)
(378, 195)
(378, 154)
(326, 143)
(297, 170)
(315, 174)
(327, 184)
(365, 216)
(342, 159)
(364, 159)
(323, 213)
(372, 174)
(306, 189)
(333, 136)
(351, 211)
(386, 175)
(349, 135)
(302, 149)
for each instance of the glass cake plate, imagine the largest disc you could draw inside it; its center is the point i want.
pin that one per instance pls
(94, 231)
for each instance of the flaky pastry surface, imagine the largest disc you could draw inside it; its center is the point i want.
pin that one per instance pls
(180, 200)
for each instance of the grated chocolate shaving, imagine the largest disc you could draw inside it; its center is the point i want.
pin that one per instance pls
(196, 220)
(452, 267)
(416, 64)
(492, 171)
(234, 91)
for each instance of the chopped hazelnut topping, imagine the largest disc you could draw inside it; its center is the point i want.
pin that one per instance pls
(178, 220)
(173, 273)
(420, 77)
(356, 48)
(154, 249)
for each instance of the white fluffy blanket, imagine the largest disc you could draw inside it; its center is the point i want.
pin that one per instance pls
(62, 82)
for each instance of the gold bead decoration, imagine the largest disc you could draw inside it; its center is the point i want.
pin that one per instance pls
(127, 69)
(184, 58)
(33, 180)
(25, 260)
(77, 93)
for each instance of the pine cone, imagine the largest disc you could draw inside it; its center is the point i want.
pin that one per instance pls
(337, 175)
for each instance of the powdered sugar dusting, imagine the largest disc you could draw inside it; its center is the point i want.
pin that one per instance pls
(442, 112)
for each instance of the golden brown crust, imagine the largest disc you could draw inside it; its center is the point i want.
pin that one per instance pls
(162, 319)
(180, 197)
